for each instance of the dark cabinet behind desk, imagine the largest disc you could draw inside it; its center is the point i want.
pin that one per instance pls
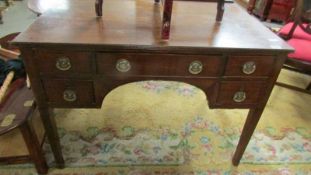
(279, 10)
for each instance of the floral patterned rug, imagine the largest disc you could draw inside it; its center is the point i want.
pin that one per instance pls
(167, 128)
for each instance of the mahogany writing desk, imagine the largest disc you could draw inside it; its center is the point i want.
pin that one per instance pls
(74, 59)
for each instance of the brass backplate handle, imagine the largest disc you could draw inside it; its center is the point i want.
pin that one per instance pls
(249, 67)
(195, 67)
(239, 96)
(123, 65)
(70, 95)
(63, 63)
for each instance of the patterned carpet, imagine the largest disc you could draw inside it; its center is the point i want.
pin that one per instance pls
(167, 128)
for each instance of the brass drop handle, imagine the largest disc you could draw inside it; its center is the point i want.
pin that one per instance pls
(239, 96)
(70, 95)
(249, 67)
(123, 65)
(63, 63)
(195, 67)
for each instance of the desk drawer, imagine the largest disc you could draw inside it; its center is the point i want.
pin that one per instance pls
(239, 93)
(159, 64)
(249, 65)
(64, 62)
(73, 92)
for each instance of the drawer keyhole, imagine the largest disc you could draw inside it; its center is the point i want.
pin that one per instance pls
(63, 64)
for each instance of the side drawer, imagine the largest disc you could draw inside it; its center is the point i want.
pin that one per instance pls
(159, 64)
(64, 61)
(69, 92)
(249, 65)
(240, 93)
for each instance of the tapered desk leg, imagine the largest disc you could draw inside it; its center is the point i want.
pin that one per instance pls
(249, 127)
(166, 21)
(99, 7)
(51, 132)
(220, 10)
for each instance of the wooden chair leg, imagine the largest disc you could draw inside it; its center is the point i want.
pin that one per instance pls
(15, 159)
(166, 21)
(99, 7)
(307, 91)
(34, 147)
(7, 2)
(251, 6)
(1, 21)
(220, 10)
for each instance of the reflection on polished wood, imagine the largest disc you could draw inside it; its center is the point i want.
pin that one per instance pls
(167, 13)
(125, 45)
(41, 6)
(135, 23)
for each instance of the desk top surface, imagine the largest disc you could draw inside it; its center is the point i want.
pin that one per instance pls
(136, 24)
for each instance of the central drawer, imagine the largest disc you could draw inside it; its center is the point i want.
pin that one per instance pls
(116, 64)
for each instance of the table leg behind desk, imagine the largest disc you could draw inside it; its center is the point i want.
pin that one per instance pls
(34, 147)
(248, 130)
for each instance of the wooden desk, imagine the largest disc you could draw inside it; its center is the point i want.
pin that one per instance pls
(75, 59)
